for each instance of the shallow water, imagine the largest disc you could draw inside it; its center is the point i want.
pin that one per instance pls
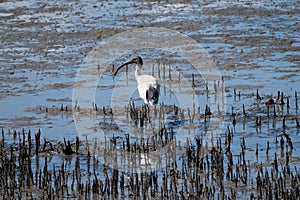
(255, 45)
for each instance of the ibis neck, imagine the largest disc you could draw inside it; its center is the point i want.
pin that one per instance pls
(138, 69)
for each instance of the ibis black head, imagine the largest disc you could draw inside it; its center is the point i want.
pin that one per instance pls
(137, 60)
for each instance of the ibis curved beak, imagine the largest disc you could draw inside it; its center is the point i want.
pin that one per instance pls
(127, 63)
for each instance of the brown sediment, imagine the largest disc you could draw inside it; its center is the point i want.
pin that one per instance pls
(199, 166)
(222, 172)
(75, 183)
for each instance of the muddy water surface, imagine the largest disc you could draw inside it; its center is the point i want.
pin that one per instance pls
(255, 45)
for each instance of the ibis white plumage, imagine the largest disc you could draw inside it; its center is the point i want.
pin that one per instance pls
(148, 86)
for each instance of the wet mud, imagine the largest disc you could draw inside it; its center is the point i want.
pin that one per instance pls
(255, 46)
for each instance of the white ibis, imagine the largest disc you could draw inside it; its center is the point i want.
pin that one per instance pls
(148, 87)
